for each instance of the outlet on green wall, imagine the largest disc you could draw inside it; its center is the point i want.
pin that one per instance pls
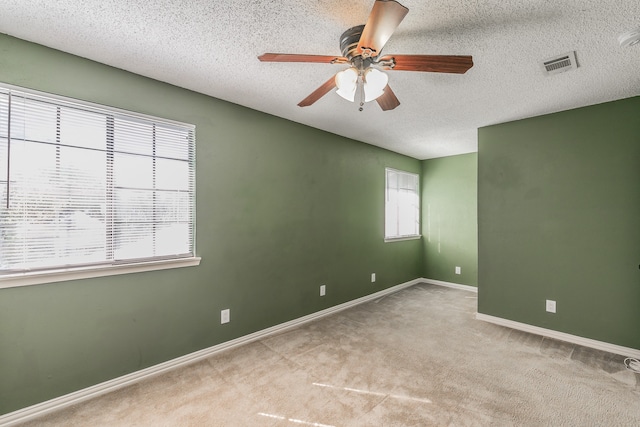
(558, 218)
(449, 219)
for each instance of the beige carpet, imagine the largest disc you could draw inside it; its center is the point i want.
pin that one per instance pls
(414, 358)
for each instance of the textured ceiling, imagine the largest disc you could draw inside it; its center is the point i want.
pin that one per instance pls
(211, 47)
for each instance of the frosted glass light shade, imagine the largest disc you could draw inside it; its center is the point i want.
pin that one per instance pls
(374, 83)
(346, 81)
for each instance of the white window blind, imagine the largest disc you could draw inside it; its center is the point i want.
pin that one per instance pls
(84, 185)
(402, 204)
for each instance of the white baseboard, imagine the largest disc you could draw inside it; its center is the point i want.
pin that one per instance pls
(562, 336)
(450, 285)
(58, 403)
(574, 339)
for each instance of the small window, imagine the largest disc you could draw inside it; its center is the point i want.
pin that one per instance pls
(82, 185)
(402, 205)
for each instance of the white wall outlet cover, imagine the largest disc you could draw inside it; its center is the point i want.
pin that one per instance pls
(373, 277)
(323, 290)
(458, 270)
(551, 306)
(225, 316)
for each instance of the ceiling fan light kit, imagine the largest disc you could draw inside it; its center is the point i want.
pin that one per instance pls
(346, 81)
(371, 83)
(374, 82)
(361, 47)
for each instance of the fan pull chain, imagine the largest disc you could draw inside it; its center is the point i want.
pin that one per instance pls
(361, 84)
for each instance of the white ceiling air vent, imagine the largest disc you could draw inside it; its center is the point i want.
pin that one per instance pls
(560, 63)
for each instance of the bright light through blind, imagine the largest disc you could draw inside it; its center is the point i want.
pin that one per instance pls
(402, 204)
(83, 185)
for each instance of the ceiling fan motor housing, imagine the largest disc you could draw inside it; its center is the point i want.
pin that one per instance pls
(349, 41)
(348, 46)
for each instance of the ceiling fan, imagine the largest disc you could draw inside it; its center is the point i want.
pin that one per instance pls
(361, 48)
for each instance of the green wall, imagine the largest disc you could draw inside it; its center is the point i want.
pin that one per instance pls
(281, 209)
(449, 218)
(559, 219)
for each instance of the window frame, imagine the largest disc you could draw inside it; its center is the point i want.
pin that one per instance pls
(108, 267)
(399, 238)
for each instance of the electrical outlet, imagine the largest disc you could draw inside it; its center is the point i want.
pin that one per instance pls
(373, 277)
(225, 316)
(458, 270)
(551, 306)
(323, 290)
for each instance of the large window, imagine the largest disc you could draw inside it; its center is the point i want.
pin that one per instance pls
(83, 185)
(402, 205)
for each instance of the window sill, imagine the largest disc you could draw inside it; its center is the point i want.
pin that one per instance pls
(63, 275)
(403, 238)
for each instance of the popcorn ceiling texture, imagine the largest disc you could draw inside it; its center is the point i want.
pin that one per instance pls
(211, 47)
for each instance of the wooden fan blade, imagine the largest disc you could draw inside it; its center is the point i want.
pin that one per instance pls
(319, 93)
(388, 101)
(383, 20)
(457, 64)
(292, 57)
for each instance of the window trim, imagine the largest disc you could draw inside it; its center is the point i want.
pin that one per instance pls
(403, 238)
(62, 274)
(386, 190)
(75, 273)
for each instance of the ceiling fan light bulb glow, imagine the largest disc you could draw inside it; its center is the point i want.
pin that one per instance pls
(374, 83)
(346, 81)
